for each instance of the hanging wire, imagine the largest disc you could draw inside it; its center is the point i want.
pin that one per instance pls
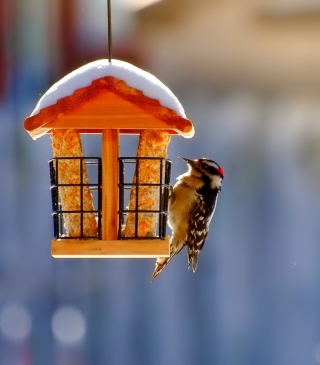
(109, 32)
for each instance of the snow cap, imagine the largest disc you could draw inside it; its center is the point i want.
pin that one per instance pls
(131, 75)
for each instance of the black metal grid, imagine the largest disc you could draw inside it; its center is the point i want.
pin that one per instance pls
(126, 184)
(95, 188)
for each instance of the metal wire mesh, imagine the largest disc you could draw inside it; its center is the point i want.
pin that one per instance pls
(93, 167)
(129, 178)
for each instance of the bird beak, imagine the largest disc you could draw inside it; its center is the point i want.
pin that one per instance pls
(190, 162)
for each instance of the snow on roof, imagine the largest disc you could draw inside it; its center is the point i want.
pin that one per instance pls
(131, 75)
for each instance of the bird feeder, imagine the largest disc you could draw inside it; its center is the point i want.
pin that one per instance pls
(90, 216)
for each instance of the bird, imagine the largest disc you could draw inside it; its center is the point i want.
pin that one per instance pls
(191, 205)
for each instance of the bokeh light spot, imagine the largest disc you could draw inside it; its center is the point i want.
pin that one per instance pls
(68, 325)
(317, 353)
(15, 322)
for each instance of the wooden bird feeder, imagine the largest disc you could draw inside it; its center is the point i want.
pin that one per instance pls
(109, 98)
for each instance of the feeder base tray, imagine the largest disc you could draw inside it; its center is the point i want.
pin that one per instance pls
(101, 249)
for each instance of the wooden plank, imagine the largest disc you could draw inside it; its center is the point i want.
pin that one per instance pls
(130, 131)
(110, 194)
(107, 111)
(107, 122)
(71, 248)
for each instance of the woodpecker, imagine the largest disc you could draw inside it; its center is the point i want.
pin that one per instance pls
(191, 205)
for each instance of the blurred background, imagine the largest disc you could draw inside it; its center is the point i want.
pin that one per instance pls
(247, 74)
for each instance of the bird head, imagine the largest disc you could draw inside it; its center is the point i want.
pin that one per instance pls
(206, 168)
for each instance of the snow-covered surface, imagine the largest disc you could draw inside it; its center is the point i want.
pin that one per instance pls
(131, 75)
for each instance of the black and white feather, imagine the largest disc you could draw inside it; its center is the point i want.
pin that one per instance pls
(192, 204)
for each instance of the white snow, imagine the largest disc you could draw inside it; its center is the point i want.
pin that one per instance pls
(131, 75)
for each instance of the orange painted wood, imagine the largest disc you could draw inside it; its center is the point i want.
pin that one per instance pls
(110, 154)
(110, 249)
(121, 131)
(107, 103)
(120, 114)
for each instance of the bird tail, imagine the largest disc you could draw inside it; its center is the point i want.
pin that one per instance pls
(161, 263)
(193, 259)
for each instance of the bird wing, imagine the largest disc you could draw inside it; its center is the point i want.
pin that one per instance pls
(199, 223)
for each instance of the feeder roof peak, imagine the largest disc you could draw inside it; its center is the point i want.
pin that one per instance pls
(96, 77)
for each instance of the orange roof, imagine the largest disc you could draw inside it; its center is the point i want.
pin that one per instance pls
(108, 103)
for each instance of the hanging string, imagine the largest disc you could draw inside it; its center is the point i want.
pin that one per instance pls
(109, 32)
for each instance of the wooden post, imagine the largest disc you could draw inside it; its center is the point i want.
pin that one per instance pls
(110, 201)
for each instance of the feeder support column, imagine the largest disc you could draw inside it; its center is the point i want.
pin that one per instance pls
(110, 201)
